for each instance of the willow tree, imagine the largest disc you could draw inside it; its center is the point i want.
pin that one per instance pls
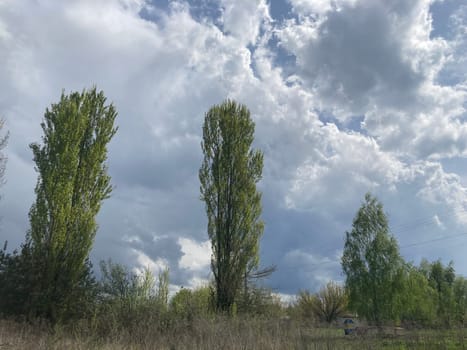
(228, 175)
(71, 186)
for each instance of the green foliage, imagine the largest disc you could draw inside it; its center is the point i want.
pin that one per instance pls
(15, 270)
(127, 298)
(19, 273)
(330, 302)
(460, 298)
(441, 279)
(303, 308)
(259, 301)
(72, 184)
(190, 304)
(417, 302)
(372, 264)
(433, 296)
(163, 288)
(119, 283)
(228, 175)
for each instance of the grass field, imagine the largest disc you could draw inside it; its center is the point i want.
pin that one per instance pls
(221, 333)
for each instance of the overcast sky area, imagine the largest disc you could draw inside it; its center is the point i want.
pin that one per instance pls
(348, 96)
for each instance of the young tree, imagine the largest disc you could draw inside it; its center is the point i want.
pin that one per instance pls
(441, 278)
(228, 175)
(304, 306)
(418, 300)
(460, 296)
(128, 298)
(330, 302)
(72, 184)
(372, 264)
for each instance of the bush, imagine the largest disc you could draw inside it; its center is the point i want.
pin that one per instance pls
(302, 308)
(259, 301)
(329, 303)
(190, 304)
(130, 301)
(325, 306)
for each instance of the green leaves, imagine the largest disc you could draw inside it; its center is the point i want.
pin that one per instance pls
(228, 176)
(130, 299)
(382, 287)
(72, 184)
(372, 264)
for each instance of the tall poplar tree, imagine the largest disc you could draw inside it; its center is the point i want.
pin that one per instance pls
(72, 183)
(228, 175)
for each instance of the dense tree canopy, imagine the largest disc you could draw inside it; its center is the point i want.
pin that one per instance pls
(372, 264)
(228, 175)
(72, 184)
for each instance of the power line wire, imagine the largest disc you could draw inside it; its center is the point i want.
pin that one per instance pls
(433, 240)
(414, 244)
(404, 228)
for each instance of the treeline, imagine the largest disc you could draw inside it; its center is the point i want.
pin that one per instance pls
(50, 276)
(426, 296)
(382, 287)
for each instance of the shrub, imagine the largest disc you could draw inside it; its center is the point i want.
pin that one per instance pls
(189, 304)
(325, 306)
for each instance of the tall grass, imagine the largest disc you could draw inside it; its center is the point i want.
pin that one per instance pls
(216, 333)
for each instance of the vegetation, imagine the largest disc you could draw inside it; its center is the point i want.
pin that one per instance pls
(384, 289)
(189, 304)
(228, 176)
(372, 264)
(126, 299)
(330, 302)
(417, 298)
(72, 184)
(323, 307)
(302, 309)
(53, 273)
(221, 333)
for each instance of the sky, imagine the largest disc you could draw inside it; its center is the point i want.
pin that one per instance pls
(348, 96)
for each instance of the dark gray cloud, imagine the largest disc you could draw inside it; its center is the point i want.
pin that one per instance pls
(356, 57)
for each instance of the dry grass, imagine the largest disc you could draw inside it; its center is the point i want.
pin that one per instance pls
(218, 333)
